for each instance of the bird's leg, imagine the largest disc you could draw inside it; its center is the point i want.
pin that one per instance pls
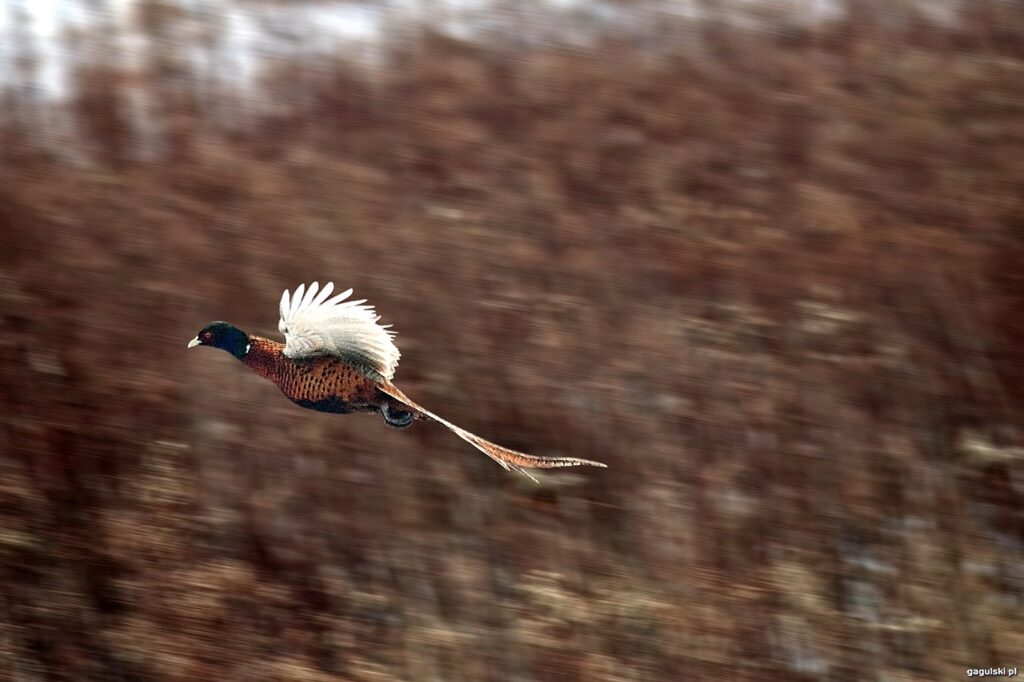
(395, 417)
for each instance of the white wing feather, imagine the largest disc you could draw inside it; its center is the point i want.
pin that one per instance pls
(314, 324)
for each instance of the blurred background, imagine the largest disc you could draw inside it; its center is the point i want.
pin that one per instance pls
(762, 258)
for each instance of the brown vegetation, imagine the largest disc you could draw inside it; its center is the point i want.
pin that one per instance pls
(771, 278)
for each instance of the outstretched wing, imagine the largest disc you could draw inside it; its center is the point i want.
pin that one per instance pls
(314, 324)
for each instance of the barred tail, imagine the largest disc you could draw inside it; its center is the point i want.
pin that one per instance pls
(508, 459)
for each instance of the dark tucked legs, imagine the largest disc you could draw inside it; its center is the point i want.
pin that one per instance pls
(397, 418)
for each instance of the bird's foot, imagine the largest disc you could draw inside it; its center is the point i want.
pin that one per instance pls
(396, 418)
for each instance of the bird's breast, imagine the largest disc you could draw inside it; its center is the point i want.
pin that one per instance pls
(324, 383)
(328, 385)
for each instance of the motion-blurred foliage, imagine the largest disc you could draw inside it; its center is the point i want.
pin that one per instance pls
(769, 273)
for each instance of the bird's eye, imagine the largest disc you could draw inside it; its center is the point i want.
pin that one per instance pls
(206, 336)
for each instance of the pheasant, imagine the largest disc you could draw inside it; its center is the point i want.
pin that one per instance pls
(337, 358)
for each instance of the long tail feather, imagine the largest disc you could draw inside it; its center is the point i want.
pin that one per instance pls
(507, 458)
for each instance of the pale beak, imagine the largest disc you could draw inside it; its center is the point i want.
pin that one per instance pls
(193, 343)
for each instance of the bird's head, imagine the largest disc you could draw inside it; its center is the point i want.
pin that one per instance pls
(224, 336)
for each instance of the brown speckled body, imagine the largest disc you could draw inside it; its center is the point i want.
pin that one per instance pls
(324, 383)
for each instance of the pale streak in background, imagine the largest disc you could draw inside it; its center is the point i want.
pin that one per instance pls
(249, 33)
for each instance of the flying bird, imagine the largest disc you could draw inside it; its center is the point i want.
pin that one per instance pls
(337, 358)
